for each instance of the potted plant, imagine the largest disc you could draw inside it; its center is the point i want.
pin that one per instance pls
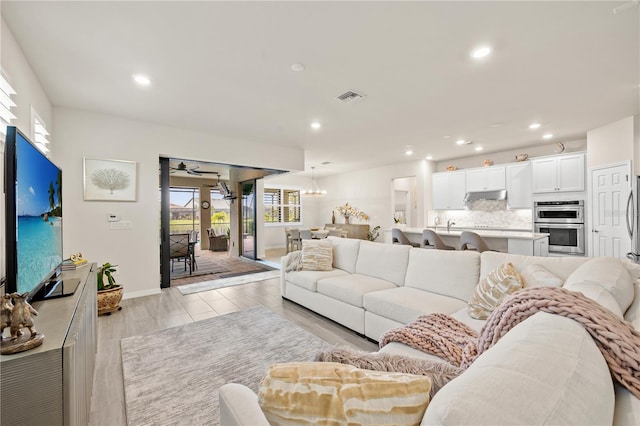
(109, 293)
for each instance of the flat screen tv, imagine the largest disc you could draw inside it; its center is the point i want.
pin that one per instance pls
(33, 195)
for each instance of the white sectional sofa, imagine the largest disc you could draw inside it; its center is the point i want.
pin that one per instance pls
(547, 370)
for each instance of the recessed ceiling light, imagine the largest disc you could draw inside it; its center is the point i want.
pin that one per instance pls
(429, 157)
(534, 125)
(297, 67)
(408, 151)
(547, 136)
(461, 142)
(315, 125)
(479, 148)
(141, 79)
(496, 124)
(446, 136)
(481, 52)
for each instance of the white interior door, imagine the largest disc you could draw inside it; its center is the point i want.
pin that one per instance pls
(609, 191)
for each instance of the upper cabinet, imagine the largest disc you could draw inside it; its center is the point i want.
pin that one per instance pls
(558, 174)
(448, 190)
(486, 178)
(519, 185)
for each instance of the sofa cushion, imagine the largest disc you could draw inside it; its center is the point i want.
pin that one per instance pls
(608, 272)
(560, 266)
(384, 261)
(546, 370)
(536, 275)
(351, 288)
(406, 304)
(493, 289)
(317, 255)
(309, 279)
(345, 253)
(463, 316)
(597, 293)
(332, 393)
(449, 273)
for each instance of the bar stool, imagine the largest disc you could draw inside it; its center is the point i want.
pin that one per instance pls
(431, 240)
(399, 237)
(472, 241)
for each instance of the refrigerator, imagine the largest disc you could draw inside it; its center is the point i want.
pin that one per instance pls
(633, 223)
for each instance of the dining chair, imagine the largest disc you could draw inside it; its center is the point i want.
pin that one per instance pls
(296, 241)
(305, 234)
(179, 250)
(399, 237)
(472, 241)
(431, 240)
(287, 239)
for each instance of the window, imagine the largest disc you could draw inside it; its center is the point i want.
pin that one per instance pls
(39, 132)
(281, 205)
(6, 103)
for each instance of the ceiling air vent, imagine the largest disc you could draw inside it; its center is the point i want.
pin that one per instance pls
(350, 96)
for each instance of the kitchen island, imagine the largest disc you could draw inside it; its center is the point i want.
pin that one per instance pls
(504, 240)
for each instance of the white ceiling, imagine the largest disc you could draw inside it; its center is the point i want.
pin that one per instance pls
(224, 68)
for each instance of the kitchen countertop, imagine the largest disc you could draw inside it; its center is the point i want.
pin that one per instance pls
(484, 233)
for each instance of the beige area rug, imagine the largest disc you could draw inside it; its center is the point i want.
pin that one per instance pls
(214, 265)
(171, 377)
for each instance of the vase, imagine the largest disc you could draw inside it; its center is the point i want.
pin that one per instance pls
(333, 217)
(346, 220)
(109, 300)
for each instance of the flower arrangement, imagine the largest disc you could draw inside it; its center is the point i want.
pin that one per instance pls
(348, 211)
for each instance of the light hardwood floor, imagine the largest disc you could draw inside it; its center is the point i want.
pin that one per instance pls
(170, 309)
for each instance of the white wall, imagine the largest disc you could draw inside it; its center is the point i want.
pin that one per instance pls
(137, 251)
(29, 94)
(371, 191)
(612, 143)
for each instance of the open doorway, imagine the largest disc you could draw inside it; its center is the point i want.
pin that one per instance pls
(215, 204)
(404, 201)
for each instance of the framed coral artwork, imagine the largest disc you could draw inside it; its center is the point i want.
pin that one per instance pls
(109, 180)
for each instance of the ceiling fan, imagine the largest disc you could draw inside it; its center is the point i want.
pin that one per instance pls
(182, 167)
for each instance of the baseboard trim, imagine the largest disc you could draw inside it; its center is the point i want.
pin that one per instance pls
(143, 293)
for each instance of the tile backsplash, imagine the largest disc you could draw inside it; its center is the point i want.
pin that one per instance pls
(485, 213)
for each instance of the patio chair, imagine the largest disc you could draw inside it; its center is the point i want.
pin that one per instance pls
(472, 241)
(399, 237)
(431, 240)
(216, 242)
(179, 250)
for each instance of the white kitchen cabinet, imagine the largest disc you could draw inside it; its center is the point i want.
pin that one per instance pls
(537, 247)
(486, 178)
(519, 185)
(559, 173)
(448, 190)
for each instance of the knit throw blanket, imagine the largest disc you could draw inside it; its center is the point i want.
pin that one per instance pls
(454, 341)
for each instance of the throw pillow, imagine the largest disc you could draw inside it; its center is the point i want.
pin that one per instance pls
(493, 289)
(317, 255)
(439, 372)
(332, 393)
(535, 275)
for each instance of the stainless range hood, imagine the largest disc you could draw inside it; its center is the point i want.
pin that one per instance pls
(500, 194)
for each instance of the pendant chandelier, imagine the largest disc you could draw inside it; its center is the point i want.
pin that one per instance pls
(315, 190)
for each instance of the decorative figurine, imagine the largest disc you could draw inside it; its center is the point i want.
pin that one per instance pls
(16, 313)
(21, 315)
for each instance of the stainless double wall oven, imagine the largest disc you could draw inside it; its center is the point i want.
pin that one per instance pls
(564, 222)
